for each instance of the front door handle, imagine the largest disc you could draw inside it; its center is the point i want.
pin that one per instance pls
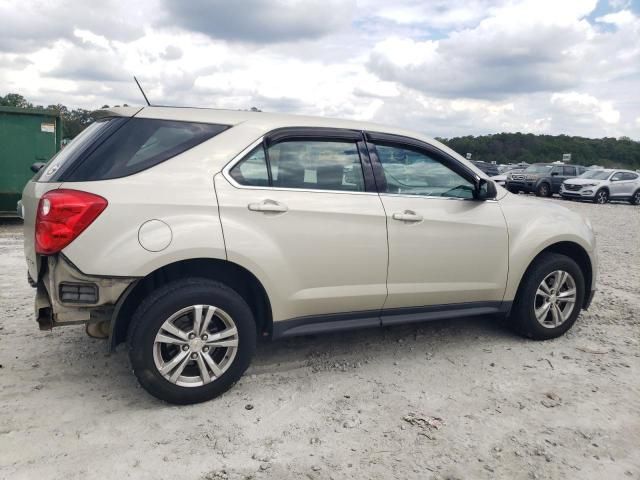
(268, 206)
(407, 216)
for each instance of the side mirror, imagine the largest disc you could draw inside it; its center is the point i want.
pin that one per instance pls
(485, 190)
(36, 167)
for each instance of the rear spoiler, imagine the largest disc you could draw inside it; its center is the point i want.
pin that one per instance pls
(115, 112)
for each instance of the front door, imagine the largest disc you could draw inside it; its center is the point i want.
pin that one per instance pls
(445, 248)
(622, 184)
(301, 219)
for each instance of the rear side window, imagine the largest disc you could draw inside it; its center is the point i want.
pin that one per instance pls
(569, 171)
(136, 145)
(252, 170)
(303, 164)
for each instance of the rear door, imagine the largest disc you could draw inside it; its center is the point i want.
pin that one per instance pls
(445, 248)
(300, 210)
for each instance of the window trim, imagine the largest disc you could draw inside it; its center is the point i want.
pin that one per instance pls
(421, 147)
(280, 135)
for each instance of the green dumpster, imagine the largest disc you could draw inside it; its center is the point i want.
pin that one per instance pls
(26, 136)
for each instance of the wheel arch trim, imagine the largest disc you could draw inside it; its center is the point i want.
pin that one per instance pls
(576, 252)
(125, 306)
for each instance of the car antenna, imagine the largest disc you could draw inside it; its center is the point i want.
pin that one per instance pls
(142, 91)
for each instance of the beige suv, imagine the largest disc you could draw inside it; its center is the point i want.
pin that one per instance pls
(188, 233)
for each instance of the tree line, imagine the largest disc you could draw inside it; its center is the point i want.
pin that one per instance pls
(526, 147)
(73, 121)
(500, 147)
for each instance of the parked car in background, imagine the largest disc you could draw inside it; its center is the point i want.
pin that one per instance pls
(490, 169)
(600, 186)
(543, 179)
(188, 233)
(501, 179)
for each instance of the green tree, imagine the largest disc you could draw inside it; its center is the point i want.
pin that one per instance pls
(14, 100)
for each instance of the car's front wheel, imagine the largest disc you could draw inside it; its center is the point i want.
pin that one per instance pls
(549, 298)
(191, 340)
(602, 197)
(635, 198)
(543, 190)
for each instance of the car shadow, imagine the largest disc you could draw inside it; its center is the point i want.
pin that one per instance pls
(116, 385)
(356, 346)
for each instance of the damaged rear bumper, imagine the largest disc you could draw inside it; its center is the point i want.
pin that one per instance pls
(66, 296)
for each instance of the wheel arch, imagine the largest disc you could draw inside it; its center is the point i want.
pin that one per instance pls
(238, 278)
(574, 251)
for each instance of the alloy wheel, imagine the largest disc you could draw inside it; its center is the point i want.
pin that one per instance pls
(555, 299)
(636, 198)
(195, 345)
(601, 197)
(544, 190)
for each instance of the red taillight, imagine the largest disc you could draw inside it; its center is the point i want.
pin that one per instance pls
(62, 216)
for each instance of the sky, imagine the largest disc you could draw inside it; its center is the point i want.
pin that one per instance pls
(441, 67)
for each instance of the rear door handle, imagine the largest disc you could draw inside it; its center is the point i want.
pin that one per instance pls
(407, 216)
(268, 206)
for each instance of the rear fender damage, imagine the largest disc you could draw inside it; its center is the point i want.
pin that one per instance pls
(51, 311)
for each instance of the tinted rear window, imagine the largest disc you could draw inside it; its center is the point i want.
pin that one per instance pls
(135, 145)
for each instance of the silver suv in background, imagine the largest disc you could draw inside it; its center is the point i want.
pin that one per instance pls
(600, 186)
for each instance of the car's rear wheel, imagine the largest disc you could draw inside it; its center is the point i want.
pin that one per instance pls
(543, 190)
(191, 340)
(550, 297)
(602, 197)
(635, 198)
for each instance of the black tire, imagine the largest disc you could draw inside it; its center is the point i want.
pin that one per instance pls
(601, 197)
(635, 198)
(523, 318)
(162, 304)
(515, 191)
(543, 190)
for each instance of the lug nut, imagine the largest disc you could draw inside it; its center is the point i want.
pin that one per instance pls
(194, 356)
(205, 336)
(185, 347)
(192, 336)
(205, 349)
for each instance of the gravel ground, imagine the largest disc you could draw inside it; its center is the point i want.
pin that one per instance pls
(456, 399)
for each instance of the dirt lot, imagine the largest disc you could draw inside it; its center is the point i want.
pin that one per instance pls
(454, 399)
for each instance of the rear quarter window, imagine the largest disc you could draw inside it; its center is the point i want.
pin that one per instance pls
(138, 144)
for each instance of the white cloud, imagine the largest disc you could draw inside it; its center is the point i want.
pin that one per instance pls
(581, 104)
(445, 67)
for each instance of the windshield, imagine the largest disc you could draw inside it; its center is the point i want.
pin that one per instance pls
(596, 174)
(538, 168)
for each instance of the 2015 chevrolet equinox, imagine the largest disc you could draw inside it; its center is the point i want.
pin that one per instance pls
(189, 232)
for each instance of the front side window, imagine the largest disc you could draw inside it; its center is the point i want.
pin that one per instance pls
(617, 177)
(304, 164)
(409, 172)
